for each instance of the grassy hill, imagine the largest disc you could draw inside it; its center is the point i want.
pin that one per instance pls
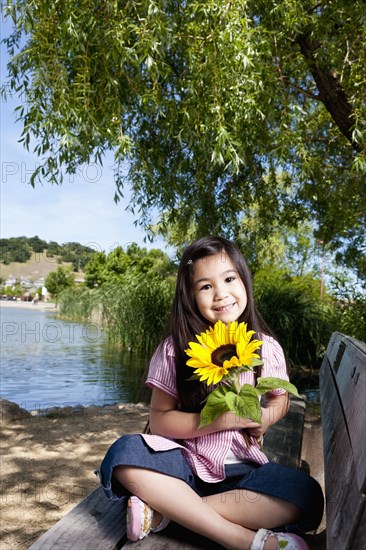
(36, 267)
(33, 258)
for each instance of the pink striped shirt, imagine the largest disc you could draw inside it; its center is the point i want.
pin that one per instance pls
(206, 454)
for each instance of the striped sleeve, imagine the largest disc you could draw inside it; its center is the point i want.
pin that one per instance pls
(274, 363)
(162, 369)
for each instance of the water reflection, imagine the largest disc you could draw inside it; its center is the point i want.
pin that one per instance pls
(48, 362)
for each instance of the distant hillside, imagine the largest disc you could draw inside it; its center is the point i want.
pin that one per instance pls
(40, 255)
(35, 268)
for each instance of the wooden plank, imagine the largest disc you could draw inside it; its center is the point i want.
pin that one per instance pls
(351, 382)
(174, 537)
(282, 442)
(95, 523)
(358, 541)
(344, 432)
(339, 470)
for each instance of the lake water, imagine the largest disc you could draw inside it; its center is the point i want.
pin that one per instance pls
(48, 362)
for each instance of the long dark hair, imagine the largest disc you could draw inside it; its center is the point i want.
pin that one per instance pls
(186, 321)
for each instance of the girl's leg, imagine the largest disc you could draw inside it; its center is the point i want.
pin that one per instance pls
(254, 510)
(173, 498)
(221, 518)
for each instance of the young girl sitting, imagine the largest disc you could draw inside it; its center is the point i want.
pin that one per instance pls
(214, 480)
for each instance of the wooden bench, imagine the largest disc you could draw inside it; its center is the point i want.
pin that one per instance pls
(97, 523)
(343, 403)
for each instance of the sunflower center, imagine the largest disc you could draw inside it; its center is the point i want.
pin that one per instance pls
(223, 353)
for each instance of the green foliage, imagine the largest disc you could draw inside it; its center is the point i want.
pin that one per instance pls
(37, 244)
(15, 249)
(278, 245)
(59, 280)
(244, 402)
(214, 105)
(351, 317)
(95, 270)
(121, 263)
(349, 307)
(293, 309)
(130, 291)
(133, 310)
(76, 303)
(19, 249)
(53, 249)
(13, 291)
(75, 253)
(136, 311)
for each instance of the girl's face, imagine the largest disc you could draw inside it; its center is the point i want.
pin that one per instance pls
(218, 290)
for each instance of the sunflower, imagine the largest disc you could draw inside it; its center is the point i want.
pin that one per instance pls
(221, 348)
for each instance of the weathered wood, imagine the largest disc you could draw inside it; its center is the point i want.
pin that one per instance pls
(174, 537)
(282, 442)
(343, 393)
(97, 523)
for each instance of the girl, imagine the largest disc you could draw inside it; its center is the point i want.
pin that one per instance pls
(213, 480)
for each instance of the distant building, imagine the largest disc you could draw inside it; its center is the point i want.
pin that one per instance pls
(25, 282)
(44, 294)
(10, 281)
(39, 282)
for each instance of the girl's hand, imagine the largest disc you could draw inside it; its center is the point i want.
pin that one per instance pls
(230, 421)
(275, 409)
(260, 429)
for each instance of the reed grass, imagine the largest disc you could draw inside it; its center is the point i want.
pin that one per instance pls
(133, 311)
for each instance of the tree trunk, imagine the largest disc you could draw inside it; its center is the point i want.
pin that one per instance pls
(331, 93)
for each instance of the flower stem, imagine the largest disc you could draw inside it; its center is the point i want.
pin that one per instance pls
(235, 384)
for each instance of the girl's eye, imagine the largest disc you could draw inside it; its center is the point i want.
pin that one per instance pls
(230, 279)
(205, 287)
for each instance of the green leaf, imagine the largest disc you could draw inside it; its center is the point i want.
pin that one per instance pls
(215, 406)
(245, 405)
(256, 363)
(271, 383)
(193, 377)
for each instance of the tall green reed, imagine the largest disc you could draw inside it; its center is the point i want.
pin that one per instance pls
(133, 310)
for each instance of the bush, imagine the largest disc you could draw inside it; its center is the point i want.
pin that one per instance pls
(293, 309)
(350, 307)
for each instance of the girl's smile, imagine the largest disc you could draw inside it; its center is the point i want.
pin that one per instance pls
(218, 290)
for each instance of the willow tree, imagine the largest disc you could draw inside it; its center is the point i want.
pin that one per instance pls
(212, 106)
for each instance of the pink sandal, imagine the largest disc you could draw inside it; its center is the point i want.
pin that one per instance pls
(286, 541)
(139, 519)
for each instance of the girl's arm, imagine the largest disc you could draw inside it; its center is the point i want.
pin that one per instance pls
(276, 407)
(167, 421)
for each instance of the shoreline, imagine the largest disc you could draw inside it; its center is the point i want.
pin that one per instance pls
(12, 411)
(20, 304)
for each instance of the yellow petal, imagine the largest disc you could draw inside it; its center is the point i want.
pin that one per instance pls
(207, 341)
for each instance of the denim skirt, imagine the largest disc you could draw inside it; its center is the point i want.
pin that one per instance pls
(271, 479)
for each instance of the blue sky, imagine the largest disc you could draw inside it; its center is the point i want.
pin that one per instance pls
(82, 209)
